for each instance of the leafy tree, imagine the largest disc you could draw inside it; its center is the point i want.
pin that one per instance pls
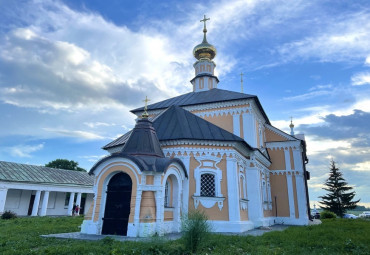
(339, 199)
(65, 164)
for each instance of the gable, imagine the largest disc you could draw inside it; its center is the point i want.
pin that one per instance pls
(274, 134)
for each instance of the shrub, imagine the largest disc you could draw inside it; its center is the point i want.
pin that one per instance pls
(7, 215)
(195, 230)
(327, 215)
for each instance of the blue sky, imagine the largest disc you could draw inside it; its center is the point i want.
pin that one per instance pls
(70, 71)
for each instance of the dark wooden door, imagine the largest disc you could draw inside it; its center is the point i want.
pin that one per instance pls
(30, 207)
(117, 206)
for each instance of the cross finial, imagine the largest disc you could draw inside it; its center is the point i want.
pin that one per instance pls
(205, 20)
(291, 126)
(241, 81)
(145, 113)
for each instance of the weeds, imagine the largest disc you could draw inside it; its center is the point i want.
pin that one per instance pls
(8, 215)
(195, 230)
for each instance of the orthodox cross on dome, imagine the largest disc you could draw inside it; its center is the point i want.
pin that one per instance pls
(291, 126)
(241, 81)
(145, 113)
(205, 20)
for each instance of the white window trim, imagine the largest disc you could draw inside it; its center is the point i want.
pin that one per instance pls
(208, 202)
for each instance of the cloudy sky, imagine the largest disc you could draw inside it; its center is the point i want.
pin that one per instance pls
(71, 70)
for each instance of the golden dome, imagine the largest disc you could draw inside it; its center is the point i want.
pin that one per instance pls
(204, 50)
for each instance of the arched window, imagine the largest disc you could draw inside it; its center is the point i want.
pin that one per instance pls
(167, 195)
(207, 185)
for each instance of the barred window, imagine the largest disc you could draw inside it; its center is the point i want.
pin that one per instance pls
(207, 185)
(166, 195)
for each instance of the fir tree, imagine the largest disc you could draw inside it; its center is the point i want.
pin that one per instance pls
(338, 199)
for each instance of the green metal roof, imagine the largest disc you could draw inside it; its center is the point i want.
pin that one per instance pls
(15, 172)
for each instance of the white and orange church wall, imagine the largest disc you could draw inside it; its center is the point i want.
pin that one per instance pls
(147, 211)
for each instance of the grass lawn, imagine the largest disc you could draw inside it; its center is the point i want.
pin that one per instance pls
(335, 236)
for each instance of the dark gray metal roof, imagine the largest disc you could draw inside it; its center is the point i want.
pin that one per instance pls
(143, 141)
(119, 141)
(142, 147)
(176, 124)
(145, 163)
(15, 172)
(203, 97)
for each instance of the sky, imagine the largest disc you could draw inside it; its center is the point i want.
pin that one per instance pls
(71, 70)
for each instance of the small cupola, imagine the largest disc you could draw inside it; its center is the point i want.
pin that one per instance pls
(204, 66)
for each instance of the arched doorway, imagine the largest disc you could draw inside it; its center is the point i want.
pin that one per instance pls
(117, 206)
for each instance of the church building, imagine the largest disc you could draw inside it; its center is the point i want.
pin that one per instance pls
(211, 150)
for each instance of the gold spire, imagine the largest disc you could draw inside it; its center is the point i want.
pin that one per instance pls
(291, 123)
(145, 114)
(241, 80)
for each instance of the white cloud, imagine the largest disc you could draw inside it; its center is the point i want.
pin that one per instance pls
(361, 79)
(367, 61)
(24, 151)
(76, 133)
(341, 39)
(308, 95)
(93, 158)
(98, 124)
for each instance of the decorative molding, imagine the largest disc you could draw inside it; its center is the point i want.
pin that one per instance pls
(295, 145)
(243, 204)
(285, 172)
(209, 202)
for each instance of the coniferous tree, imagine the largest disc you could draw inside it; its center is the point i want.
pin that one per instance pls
(339, 198)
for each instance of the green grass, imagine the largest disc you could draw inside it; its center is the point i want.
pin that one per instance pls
(334, 236)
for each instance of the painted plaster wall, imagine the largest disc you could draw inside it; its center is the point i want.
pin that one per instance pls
(18, 201)
(243, 215)
(168, 215)
(224, 121)
(268, 213)
(280, 190)
(277, 159)
(273, 137)
(148, 207)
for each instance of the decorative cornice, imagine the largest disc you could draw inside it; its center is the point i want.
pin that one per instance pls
(295, 145)
(285, 172)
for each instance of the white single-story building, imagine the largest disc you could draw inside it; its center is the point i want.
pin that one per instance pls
(39, 191)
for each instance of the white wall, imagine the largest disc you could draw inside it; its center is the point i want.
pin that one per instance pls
(18, 201)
